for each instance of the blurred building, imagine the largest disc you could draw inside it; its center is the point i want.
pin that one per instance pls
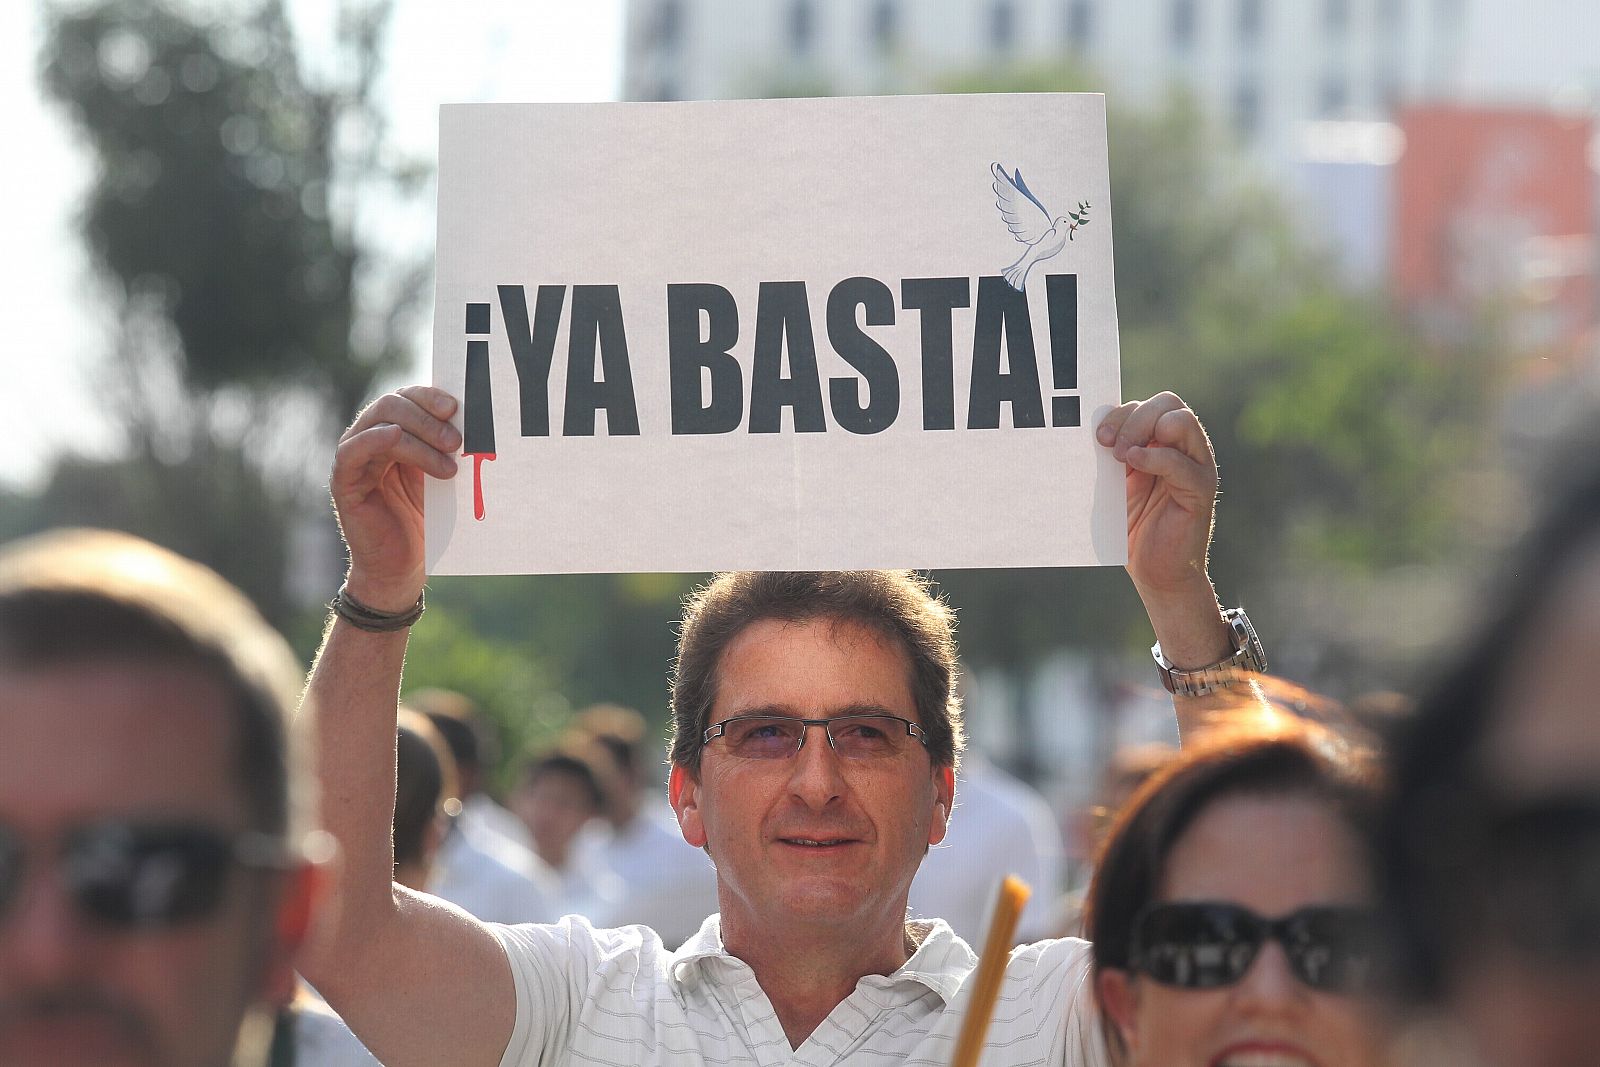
(1266, 66)
(1497, 205)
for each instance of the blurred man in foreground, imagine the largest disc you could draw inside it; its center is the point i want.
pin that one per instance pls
(817, 733)
(153, 883)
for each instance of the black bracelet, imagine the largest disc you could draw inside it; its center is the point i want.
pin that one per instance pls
(372, 620)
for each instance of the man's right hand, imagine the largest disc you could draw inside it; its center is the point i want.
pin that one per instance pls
(377, 490)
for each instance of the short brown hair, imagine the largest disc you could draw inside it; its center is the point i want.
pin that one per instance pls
(473, 744)
(900, 605)
(76, 596)
(620, 732)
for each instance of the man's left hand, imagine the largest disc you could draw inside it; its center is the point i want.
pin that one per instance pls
(1172, 495)
(1172, 491)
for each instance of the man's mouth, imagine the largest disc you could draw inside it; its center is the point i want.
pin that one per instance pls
(1263, 1057)
(816, 842)
(73, 1012)
(73, 1037)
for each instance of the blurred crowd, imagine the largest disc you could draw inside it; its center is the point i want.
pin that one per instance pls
(584, 830)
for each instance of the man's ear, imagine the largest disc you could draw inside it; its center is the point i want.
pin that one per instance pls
(1119, 1001)
(302, 891)
(944, 798)
(683, 793)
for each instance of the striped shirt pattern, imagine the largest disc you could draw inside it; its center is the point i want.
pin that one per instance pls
(618, 998)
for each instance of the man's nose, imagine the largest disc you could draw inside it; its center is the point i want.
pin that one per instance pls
(44, 938)
(816, 776)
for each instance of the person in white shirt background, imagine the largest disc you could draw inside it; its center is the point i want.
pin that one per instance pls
(661, 881)
(1001, 825)
(484, 864)
(558, 792)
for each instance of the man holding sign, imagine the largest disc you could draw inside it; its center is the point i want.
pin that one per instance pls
(817, 736)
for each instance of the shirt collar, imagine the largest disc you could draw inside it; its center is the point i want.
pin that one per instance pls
(941, 962)
(706, 944)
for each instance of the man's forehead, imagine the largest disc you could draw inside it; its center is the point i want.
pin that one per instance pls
(116, 738)
(802, 666)
(841, 631)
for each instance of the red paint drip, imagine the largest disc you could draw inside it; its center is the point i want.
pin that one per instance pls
(477, 481)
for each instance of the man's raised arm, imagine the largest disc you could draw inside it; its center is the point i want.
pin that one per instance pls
(1172, 496)
(420, 982)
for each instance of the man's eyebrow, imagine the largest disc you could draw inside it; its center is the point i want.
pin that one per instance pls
(868, 709)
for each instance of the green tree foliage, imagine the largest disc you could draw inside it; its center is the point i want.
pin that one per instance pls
(601, 637)
(218, 163)
(242, 534)
(20, 514)
(449, 650)
(252, 316)
(1336, 424)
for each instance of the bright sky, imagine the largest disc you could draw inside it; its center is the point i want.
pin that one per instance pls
(487, 50)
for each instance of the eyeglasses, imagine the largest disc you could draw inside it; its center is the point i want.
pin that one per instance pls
(855, 737)
(1203, 945)
(143, 875)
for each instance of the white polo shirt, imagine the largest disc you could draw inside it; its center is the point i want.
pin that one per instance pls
(491, 880)
(587, 996)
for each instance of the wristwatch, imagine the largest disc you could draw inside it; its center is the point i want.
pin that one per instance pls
(1248, 658)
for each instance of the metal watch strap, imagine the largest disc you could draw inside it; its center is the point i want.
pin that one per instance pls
(1248, 658)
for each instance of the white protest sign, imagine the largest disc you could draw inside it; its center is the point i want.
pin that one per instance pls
(776, 334)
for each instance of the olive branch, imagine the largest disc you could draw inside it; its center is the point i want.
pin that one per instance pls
(1079, 217)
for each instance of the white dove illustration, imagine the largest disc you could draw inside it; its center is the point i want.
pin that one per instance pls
(1030, 223)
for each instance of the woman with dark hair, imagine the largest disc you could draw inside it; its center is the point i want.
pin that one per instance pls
(1232, 909)
(1491, 845)
(427, 795)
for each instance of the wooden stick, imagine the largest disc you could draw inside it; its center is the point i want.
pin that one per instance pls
(1014, 894)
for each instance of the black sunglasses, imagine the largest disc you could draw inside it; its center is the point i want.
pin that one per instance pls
(1204, 944)
(1538, 882)
(143, 875)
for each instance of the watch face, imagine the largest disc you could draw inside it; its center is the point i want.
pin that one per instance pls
(1251, 656)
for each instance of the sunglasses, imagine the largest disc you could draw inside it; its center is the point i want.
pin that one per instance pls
(1204, 945)
(1538, 881)
(143, 875)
